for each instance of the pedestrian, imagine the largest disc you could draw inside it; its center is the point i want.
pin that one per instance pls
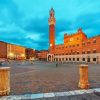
(56, 64)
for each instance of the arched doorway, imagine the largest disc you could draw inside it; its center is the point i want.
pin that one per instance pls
(88, 59)
(49, 57)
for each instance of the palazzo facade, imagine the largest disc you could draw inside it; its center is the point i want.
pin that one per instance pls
(11, 51)
(76, 47)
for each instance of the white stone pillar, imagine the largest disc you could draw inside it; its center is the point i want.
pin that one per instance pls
(83, 81)
(4, 81)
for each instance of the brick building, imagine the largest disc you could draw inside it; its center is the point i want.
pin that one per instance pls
(11, 51)
(76, 47)
(42, 55)
(31, 53)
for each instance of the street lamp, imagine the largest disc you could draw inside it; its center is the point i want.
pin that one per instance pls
(11, 55)
(50, 45)
(23, 55)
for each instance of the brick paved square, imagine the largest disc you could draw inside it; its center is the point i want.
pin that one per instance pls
(44, 77)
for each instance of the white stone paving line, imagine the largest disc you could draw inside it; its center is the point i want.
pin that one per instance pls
(59, 94)
(47, 95)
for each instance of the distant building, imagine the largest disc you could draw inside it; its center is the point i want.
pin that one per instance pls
(31, 53)
(11, 51)
(42, 55)
(76, 47)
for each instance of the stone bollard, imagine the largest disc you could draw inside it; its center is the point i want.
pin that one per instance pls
(4, 81)
(83, 81)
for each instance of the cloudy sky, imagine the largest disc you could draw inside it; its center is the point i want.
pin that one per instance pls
(25, 22)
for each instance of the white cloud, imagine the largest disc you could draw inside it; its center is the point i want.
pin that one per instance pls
(35, 37)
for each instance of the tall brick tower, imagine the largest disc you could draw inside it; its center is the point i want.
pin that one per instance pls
(51, 28)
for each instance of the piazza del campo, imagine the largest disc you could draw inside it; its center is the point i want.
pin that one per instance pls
(67, 71)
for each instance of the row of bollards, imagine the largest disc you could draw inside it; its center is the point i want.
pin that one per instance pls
(5, 79)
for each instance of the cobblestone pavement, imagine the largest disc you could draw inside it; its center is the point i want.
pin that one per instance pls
(44, 77)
